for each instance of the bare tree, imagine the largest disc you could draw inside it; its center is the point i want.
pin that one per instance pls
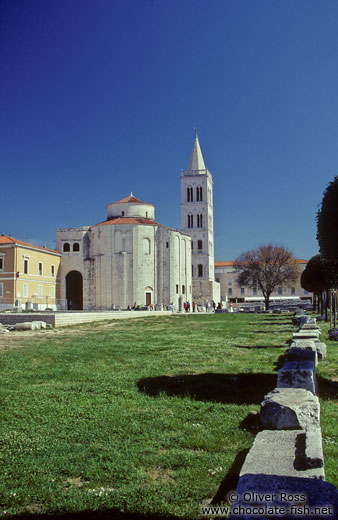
(266, 267)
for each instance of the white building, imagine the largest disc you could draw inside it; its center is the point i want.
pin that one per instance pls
(129, 258)
(197, 220)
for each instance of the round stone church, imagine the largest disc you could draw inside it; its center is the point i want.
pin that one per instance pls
(125, 260)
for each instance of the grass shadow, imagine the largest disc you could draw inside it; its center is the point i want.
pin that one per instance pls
(327, 389)
(230, 481)
(222, 388)
(249, 347)
(109, 514)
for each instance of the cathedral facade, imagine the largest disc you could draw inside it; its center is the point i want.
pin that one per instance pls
(129, 259)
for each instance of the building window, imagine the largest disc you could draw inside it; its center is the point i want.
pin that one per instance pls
(76, 247)
(254, 291)
(293, 291)
(199, 220)
(190, 221)
(25, 266)
(25, 290)
(1, 265)
(217, 280)
(167, 245)
(280, 290)
(199, 193)
(39, 291)
(200, 270)
(229, 291)
(230, 282)
(192, 270)
(52, 269)
(122, 213)
(199, 244)
(183, 289)
(66, 247)
(1, 290)
(40, 268)
(190, 196)
(52, 292)
(242, 291)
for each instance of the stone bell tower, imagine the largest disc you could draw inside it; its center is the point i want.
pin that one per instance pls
(197, 221)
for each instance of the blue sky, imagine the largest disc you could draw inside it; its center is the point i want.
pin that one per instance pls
(99, 98)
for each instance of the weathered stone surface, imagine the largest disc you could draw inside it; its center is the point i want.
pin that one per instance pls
(321, 350)
(298, 374)
(306, 334)
(310, 326)
(304, 354)
(273, 490)
(27, 325)
(290, 408)
(279, 453)
(314, 457)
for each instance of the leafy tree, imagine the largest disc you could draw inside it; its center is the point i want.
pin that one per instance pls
(266, 267)
(327, 222)
(316, 278)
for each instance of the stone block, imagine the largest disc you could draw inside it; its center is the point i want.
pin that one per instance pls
(279, 452)
(313, 447)
(302, 354)
(298, 374)
(290, 408)
(281, 491)
(306, 334)
(321, 350)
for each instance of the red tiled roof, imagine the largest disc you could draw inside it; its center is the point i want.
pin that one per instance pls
(131, 199)
(10, 240)
(231, 263)
(128, 220)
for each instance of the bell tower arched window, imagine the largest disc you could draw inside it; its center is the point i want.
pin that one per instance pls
(200, 244)
(199, 193)
(190, 194)
(200, 220)
(190, 221)
(200, 270)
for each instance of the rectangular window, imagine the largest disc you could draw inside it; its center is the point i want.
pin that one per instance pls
(183, 289)
(199, 220)
(230, 282)
(293, 291)
(190, 221)
(53, 270)
(176, 289)
(167, 244)
(39, 291)
(254, 291)
(1, 265)
(230, 291)
(52, 292)
(1, 290)
(242, 291)
(25, 290)
(25, 266)
(280, 290)
(40, 268)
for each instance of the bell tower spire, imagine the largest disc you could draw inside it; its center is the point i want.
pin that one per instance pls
(197, 221)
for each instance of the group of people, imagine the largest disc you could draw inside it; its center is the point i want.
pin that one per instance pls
(209, 307)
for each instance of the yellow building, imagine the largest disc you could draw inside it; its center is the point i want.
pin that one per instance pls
(29, 275)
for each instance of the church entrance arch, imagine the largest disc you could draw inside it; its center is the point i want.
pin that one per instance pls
(74, 291)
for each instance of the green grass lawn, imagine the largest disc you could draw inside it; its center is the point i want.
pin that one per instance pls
(141, 416)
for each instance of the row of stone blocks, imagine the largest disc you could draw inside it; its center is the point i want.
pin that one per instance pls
(283, 473)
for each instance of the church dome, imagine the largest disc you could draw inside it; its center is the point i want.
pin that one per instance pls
(131, 207)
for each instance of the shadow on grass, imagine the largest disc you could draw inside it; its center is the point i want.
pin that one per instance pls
(109, 514)
(222, 388)
(273, 331)
(250, 347)
(327, 389)
(230, 481)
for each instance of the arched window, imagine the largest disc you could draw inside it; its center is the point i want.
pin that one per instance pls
(199, 193)
(146, 246)
(190, 221)
(200, 220)
(66, 247)
(76, 247)
(192, 244)
(190, 194)
(200, 270)
(200, 244)
(192, 270)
